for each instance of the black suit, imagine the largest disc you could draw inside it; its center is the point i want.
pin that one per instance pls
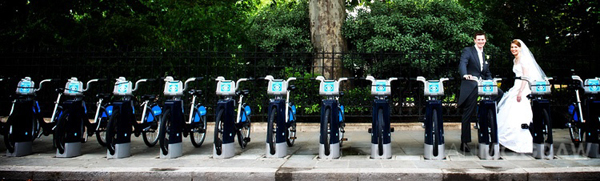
(467, 100)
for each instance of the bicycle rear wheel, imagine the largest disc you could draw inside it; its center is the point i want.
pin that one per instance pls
(198, 132)
(291, 131)
(150, 135)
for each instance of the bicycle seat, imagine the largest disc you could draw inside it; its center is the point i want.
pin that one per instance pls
(59, 90)
(244, 92)
(195, 92)
(341, 93)
(103, 95)
(148, 97)
(292, 87)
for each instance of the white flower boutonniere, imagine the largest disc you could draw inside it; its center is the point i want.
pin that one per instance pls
(487, 57)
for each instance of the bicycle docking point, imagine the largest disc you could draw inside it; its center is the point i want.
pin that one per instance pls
(380, 126)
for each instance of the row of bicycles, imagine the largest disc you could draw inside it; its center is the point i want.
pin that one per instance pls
(115, 118)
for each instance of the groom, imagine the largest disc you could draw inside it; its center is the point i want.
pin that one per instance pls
(473, 64)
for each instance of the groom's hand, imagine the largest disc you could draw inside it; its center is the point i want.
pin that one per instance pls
(468, 77)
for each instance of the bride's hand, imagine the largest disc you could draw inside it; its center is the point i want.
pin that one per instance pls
(519, 97)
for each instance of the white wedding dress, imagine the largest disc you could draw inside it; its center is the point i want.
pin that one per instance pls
(511, 114)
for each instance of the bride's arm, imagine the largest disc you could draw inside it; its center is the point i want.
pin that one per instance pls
(523, 82)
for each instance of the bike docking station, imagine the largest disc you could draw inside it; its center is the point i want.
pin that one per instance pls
(70, 119)
(23, 123)
(433, 123)
(541, 130)
(488, 148)
(281, 127)
(331, 131)
(123, 111)
(380, 126)
(228, 123)
(589, 128)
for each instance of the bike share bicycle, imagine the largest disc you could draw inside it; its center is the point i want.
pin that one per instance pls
(580, 128)
(71, 119)
(332, 118)
(488, 148)
(172, 125)
(541, 128)
(25, 120)
(434, 122)
(281, 126)
(228, 123)
(122, 121)
(380, 127)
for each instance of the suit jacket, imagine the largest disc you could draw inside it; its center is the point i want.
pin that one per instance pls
(469, 64)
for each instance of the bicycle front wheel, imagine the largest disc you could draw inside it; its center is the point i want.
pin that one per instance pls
(111, 132)
(436, 132)
(380, 131)
(164, 131)
(325, 131)
(272, 130)
(218, 143)
(60, 133)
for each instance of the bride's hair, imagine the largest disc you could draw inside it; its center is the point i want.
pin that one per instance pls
(516, 42)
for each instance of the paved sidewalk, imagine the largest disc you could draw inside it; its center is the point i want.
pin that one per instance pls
(302, 163)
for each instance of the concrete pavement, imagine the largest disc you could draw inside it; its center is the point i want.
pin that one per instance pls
(302, 163)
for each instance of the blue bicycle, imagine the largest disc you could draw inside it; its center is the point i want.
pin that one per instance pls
(434, 123)
(173, 125)
(281, 126)
(25, 122)
(332, 118)
(71, 119)
(229, 123)
(122, 121)
(584, 125)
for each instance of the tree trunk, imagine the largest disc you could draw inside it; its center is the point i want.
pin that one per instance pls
(326, 20)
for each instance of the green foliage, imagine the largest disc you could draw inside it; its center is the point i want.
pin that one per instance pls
(411, 28)
(357, 100)
(306, 90)
(284, 26)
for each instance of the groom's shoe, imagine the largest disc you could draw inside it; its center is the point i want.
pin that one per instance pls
(464, 147)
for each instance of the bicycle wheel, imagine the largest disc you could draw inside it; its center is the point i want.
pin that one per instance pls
(243, 133)
(575, 130)
(436, 132)
(9, 141)
(272, 130)
(491, 131)
(164, 131)
(150, 135)
(291, 131)
(101, 127)
(219, 132)
(380, 131)
(325, 131)
(198, 133)
(60, 133)
(111, 132)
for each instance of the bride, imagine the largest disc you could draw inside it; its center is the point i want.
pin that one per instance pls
(514, 108)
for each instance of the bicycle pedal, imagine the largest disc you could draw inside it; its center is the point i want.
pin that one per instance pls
(423, 125)
(246, 139)
(370, 130)
(392, 129)
(344, 139)
(524, 126)
(293, 138)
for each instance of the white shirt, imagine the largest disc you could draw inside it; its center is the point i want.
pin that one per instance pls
(480, 54)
